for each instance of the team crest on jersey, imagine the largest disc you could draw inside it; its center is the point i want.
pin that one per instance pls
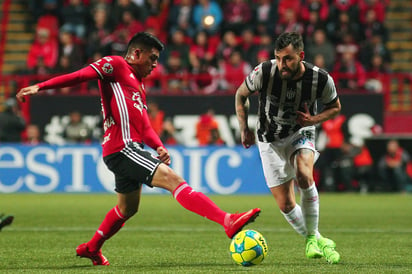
(290, 93)
(107, 68)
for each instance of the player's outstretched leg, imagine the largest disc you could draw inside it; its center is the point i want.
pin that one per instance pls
(200, 204)
(327, 246)
(96, 257)
(312, 249)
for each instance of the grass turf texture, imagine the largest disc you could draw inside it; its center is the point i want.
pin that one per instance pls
(373, 234)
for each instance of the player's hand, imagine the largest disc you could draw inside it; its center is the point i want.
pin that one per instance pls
(27, 91)
(304, 118)
(163, 155)
(248, 138)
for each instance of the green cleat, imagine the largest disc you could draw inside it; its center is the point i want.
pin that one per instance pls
(312, 248)
(327, 246)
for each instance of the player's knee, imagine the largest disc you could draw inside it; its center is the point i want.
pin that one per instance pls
(166, 178)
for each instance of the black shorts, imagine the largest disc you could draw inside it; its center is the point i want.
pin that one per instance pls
(132, 167)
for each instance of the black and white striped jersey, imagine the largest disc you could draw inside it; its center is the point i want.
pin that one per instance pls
(280, 99)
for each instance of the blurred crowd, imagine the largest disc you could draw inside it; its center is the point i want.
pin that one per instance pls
(210, 47)
(215, 42)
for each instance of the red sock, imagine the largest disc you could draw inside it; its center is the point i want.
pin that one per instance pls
(112, 223)
(198, 203)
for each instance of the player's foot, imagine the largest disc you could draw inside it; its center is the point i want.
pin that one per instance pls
(327, 246)
(5, 220)
(238, 220)
(312, 249)
(96, 257)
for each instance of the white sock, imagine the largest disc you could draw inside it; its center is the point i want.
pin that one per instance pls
(310, 209)
(295, 219)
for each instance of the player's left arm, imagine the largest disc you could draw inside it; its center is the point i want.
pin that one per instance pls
(152, 139)
(331, 107)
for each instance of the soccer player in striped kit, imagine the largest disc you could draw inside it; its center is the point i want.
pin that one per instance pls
(127, 127)
(288, 90)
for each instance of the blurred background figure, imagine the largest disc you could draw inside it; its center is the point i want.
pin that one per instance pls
(12, 123)
(33, 135)
(156, 116)
(392, 167)
(207, 129)
(76, 131)
(5, 220)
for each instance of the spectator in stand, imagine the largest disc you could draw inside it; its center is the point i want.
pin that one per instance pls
(12, 123)
(265, 43)
(156, 116)
(248, 45)
(207, 129)
(320, 45)
(392, 167)
(262, 56)
(378, 6)
(98, 33)
(74, 17)
(139, 12)
(320, 7)
(338, 28)
(207, 16)
(350, 74)
(348, 44)
(178, 44)
(158, 12)
(129, 25)
(285, 5)
(233, 71)
(350, 7)
(377, 76)
(205, 79)
(45, 48)
(38, 8)
(372, 27)
(314, 23)
(33, 135)
(76, 131)
(289, 22)
(201, 51)
(319, 61)
(265, 16)
(71, 48)
(180, 17)
(177, 75)
(228, 45)
(237, 16)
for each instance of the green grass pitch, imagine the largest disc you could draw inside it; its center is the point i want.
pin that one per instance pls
(373, 235)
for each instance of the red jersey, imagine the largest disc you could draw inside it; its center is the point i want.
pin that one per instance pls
(123, 100)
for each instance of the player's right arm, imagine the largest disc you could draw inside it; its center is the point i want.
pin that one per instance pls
(66, 80)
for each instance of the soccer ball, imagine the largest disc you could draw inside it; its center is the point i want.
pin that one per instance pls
(248, 248)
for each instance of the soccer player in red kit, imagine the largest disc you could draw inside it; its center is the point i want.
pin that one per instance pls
(127, 127)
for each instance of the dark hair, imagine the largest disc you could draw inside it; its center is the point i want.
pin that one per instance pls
(145, 40)
(287, 38)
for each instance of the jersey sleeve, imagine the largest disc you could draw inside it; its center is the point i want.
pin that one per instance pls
(329, 93)
(254, 79)
(107, 67)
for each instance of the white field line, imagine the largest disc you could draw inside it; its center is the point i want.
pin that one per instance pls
(201, 229)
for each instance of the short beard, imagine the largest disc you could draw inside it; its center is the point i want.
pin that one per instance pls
(292, 74)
